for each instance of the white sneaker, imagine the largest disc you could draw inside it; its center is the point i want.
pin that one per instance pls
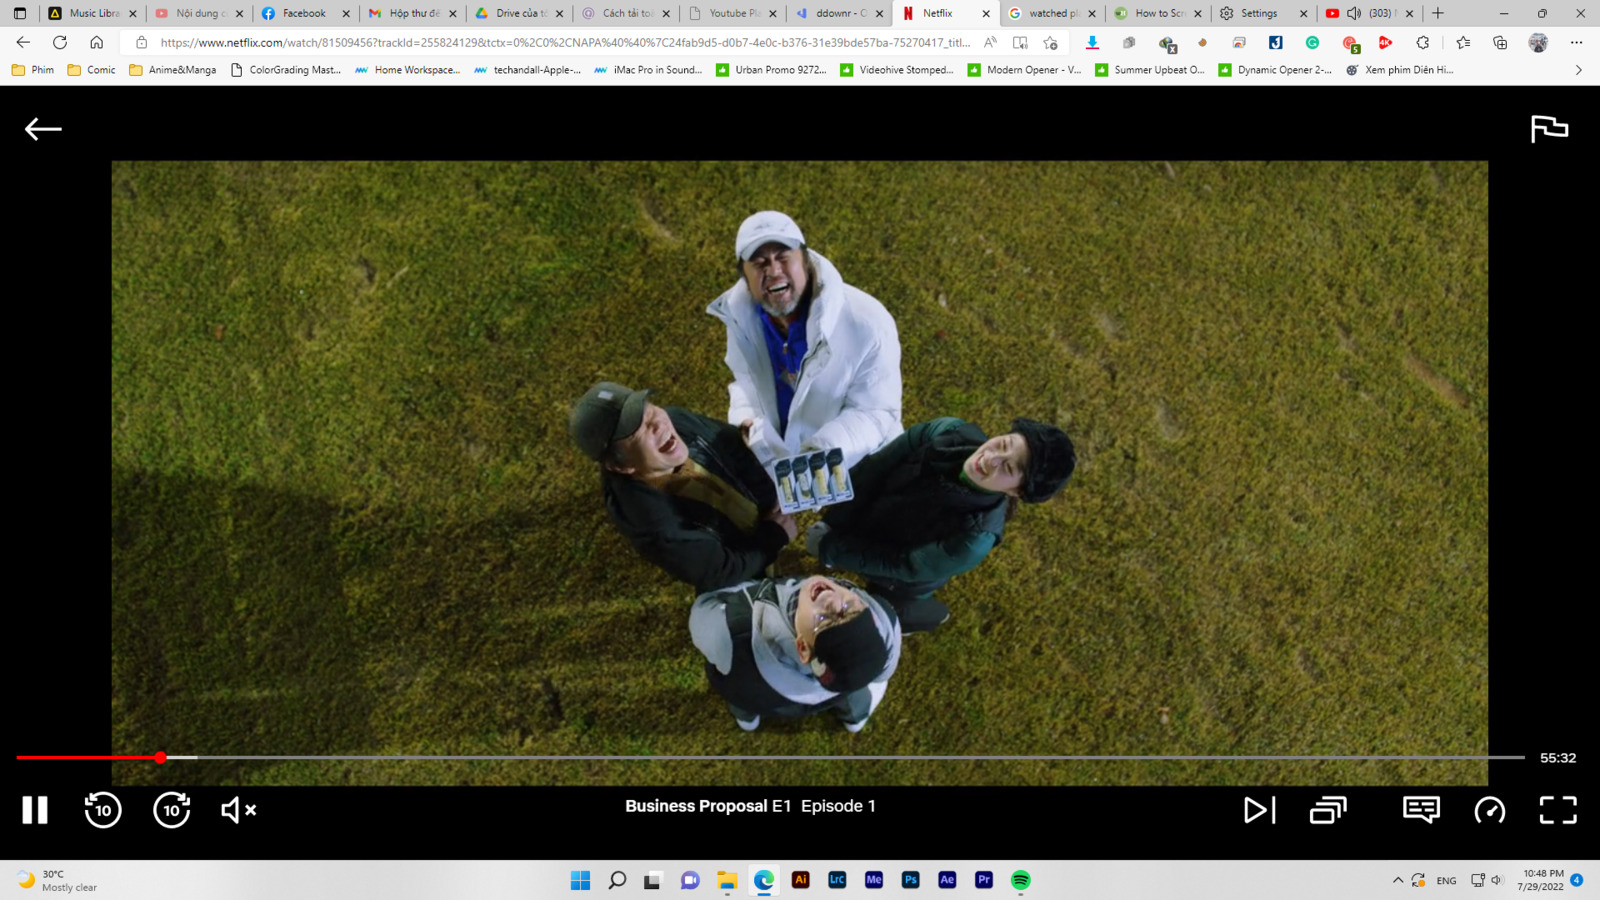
(750, 725)
(854, 727)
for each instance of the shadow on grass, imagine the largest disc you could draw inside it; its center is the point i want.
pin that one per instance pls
(229, 633)
(254, 621)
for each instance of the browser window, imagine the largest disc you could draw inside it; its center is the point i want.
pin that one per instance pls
(540, 480)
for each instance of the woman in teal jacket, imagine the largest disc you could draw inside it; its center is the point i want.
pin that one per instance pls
(932, 503)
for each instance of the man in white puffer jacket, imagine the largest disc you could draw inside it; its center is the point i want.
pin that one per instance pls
(815, 362)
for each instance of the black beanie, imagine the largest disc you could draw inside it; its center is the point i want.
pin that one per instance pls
(853, 653)
(1050, 459)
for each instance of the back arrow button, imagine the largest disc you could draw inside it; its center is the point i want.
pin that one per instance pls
(35, 126)
(23, 40)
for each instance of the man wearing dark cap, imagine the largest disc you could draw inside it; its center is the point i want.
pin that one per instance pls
(933, 503)
(682, 488)
(815, 361)
(797, 646)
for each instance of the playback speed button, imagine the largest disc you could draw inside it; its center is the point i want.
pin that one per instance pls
(1490, 809)
(102, 809)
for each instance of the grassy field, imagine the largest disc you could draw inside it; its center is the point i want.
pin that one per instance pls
(347, 519)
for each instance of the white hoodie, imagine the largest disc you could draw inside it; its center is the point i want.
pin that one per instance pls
(848, 392)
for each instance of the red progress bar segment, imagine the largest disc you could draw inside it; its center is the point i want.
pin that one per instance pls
(160, 757)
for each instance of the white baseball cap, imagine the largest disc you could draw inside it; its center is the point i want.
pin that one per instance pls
(764, 228)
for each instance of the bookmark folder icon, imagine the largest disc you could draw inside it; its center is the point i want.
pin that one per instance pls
(74, 70)
(135, 69)
(17, 69)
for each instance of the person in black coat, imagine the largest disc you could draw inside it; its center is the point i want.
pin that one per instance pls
(682, 488)
(933, 502)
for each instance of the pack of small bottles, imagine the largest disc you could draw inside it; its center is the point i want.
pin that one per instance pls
(811, 480)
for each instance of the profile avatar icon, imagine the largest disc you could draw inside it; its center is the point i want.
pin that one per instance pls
(1538, 42)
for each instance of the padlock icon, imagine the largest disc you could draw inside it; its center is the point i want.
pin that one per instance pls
(142, 43)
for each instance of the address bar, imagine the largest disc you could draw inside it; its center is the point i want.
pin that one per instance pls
(444, 42)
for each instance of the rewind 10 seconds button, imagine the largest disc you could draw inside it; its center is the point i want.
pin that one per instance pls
(1490, 809)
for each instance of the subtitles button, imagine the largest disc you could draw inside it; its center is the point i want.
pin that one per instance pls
(1424, 808)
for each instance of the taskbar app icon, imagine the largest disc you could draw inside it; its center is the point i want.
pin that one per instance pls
(763, 880)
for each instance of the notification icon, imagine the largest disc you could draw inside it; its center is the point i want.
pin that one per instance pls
(1383, 42)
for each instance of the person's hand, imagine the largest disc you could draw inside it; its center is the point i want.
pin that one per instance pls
(814, 536)
(744, 430)
(789, 527)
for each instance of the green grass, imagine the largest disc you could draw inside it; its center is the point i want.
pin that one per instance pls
(346, 518)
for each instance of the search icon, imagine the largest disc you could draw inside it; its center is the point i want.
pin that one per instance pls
(618, 879)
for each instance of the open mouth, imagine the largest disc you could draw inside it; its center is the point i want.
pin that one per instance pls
(780, 288)
(669, 446)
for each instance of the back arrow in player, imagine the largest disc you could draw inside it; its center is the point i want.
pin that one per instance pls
(23, 40)
(30, 129)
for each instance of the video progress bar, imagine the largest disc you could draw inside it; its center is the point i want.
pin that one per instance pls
(879, 758)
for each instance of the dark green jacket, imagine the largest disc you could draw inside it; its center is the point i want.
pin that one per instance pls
(862, 532)
(692, 540)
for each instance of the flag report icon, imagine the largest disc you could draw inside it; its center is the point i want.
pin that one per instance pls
(1549, 127)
